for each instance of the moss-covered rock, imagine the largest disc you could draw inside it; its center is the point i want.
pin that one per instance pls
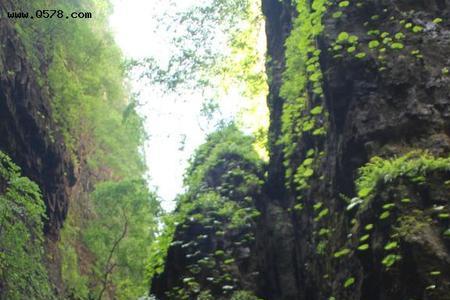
(212, 253)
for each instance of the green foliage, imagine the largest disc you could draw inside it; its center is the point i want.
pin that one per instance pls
(85, 77)
(390, 260)
(446, 233)
(380, 42)
(412, 166)
(349, 282)
(304, 172)
(324, 212)
(344, 3)
(444, 216)
(321, 247)
(244, 295)
(22, 210)
(388, 206)
(324, 232)
(399, 35)
(205, 295)
(417, 29)
(342, 252)
(160, 246)
(90, 101)
(221, 146)
(121, 234)
(385, 215)
(299, 47)
(300, 117)
(363, 247)
(316, 110)
(76, 284)
(364, 238)
(351, 49)
(435, 273)
(374, 44)
(391, 245)
(354, 202)
(342, 37)
(223, 169)
(222, 180)
(397, 46)
(337, 14)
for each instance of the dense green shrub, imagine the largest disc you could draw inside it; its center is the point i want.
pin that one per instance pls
(76, 284)
(222, 182)
(22, 210)
(120, 236)
(413, 166)
(86, 73)
(221, 148)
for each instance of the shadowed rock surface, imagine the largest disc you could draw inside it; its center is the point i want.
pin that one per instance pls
(27, 132)
(337, 238)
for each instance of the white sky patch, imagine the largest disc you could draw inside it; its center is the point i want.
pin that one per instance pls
(167, 119)
(170, 120)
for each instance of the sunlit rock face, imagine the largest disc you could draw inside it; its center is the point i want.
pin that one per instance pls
(358, 209)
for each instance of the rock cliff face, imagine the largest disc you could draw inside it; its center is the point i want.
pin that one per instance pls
(355, 205)
(386, 99)
(30, 137)
(27, 132)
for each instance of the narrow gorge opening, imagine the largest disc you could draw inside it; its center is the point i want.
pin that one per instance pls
(224, 149)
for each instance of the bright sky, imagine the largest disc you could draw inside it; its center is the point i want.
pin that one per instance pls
(169, 120)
